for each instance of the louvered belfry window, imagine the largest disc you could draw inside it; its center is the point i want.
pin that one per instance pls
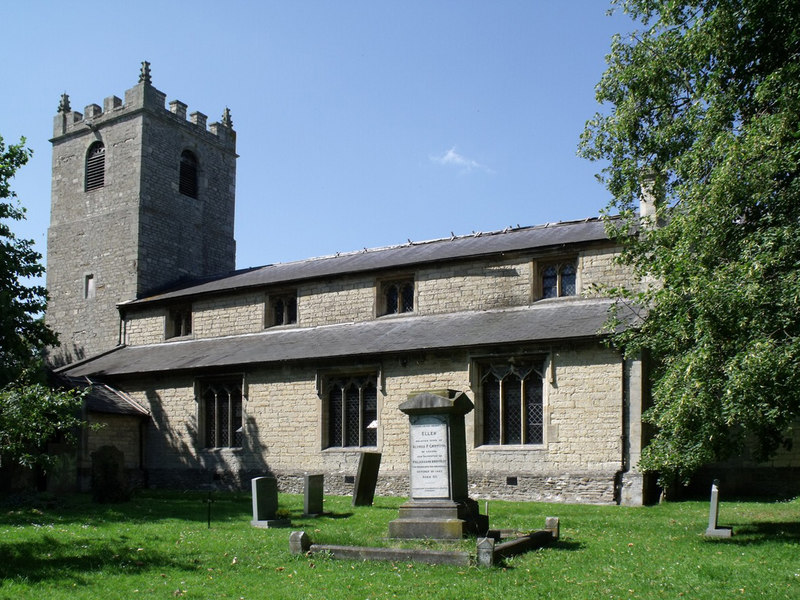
(187, 184)
(95, 166)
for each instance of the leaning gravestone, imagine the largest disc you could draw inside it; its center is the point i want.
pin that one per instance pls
(265, 503)
(366, 478)
(109, 481)
(313, 494)
(439, 506)
(715, 530)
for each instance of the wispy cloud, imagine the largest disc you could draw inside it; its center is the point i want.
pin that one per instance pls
(452, 158)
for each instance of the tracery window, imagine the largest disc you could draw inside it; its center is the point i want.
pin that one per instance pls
(95, 167)
(512, 403)
(221, 412)
(187, 179)
(352, 411)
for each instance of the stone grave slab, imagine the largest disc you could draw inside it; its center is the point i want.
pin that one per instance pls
(313, 485)
(366, 479)
(265, 503)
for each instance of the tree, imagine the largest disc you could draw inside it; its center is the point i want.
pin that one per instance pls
(704, 108)
(31, 413)
(23, 333)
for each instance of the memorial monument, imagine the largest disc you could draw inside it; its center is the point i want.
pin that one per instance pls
(438, 507)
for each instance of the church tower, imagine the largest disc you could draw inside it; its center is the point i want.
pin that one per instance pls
(141, 198)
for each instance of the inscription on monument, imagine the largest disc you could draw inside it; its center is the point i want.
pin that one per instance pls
(430, 467)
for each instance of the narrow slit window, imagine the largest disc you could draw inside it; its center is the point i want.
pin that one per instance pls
(89, 287)
(95, 167)
(187, 184)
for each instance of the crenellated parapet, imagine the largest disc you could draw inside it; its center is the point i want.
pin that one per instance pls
(141, 97)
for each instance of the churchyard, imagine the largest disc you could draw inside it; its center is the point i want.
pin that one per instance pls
(160, 545)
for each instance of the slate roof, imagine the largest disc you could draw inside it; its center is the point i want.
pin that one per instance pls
(547, 320)
(540, 237)
(105, 399)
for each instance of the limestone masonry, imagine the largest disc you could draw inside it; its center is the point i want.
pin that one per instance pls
(300, 367)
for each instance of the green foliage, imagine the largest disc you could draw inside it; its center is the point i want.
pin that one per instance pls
(23, 333)
(32, 414)
(703, 106)
(159, 546)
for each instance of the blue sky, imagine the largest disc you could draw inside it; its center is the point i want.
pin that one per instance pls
(359, 123)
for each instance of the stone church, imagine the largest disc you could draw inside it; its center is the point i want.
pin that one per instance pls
(205, 374)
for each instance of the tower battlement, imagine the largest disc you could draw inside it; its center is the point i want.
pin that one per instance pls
(142, 96)
(143, 195)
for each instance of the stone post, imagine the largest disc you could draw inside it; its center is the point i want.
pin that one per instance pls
(713, 529)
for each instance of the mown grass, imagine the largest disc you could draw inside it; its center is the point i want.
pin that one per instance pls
(159, 545)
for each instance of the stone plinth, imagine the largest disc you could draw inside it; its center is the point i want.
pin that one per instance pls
(439, 507)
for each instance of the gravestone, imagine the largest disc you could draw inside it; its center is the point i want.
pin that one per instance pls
(439, 506)
(109, 481)
(313, 494)
(265, 503)
(713, 529)
(366, 479)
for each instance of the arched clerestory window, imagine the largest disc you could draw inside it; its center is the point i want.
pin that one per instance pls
(95, 167)
(187, 178)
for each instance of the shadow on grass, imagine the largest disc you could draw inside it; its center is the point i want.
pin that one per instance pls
(77, 560)
(765, 532)
(570, 545)
(78, 508)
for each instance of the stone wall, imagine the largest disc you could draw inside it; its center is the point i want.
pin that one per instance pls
(284, 421)
(136, 232)
(120, 431)
(597, 267)
(476, 284)
(230, 315)
(341, 300)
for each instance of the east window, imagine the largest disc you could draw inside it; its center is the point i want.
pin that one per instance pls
(352, 411)
(396, 296)
(221, 412)
(512, 402)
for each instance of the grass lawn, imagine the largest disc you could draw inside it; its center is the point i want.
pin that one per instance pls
(159, 545)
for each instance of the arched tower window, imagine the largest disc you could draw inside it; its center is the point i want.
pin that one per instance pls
(187, 180)
(95, 167)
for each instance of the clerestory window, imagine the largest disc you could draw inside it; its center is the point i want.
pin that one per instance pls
(221, 412)
(281, 309)
(187, 179)
(397, 296)
(179, 322)
(512, 403)
(95, 167)
(351, 407)
(558, 279)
